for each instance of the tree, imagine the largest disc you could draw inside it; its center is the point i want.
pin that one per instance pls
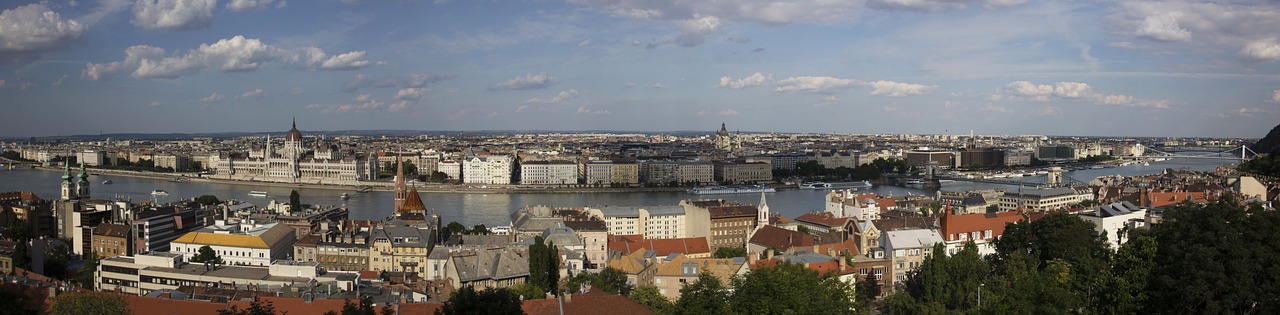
(21, 235)
(86, 274)
(256, 307)
(77, 303)
(1222, 257)
(207, 256)
(479, 229)
(867, 290)
(295, 201)
(490, 301)
(208, 200)
(363, 306)
(1123, 288)
(731, 252)
(528, 291)
(705, 296)
(650, 297)
(455, 228)
(1058, 235)
(946, 282)
(57, 256)
(791, 289)
(14, 302)
(544, 265)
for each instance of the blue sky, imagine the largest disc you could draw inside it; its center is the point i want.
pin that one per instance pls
(1142, 68)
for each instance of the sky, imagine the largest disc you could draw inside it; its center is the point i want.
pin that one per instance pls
(1107, 68)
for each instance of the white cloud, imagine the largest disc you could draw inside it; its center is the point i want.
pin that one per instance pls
(398, 106)
(562, 96)
(246, 5)
(59, 81)
(1163, 28)
(229, 55)
(527, 82)
(361, 81)
(155, 103)
(937, 5)
(727, 112)
(32, 29)
(213, 97)
(658, 86)
(254, 93)
(896, 89)
(1261, 50)
(584, 43)
(1123, 44)
(749, 81)
(411, 94)
(348, 61)
(1072, 90)
(588, 111)
(173, 14)
(1275, 96)
(819, 85)
(1049, 111)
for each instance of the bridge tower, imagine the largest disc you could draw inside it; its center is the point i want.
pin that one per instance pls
(1055, 177)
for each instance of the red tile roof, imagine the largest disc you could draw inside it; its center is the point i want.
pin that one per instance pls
(662, 247)
(781, 239)
(822, 218)
(1160, 199)
(141, 305)
(590, 303)
(978, 222)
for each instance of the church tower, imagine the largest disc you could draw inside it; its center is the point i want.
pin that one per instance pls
(82, 185)
(762, 216)
(68, 188)
(401, 193)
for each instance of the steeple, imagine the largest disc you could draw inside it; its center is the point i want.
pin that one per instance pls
(401, 194)
(67, 188)
(82, 186)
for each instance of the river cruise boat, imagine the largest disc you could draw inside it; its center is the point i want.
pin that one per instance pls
(724, 190)
(257, 193)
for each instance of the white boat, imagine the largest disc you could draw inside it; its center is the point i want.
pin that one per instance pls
(838, 185)
(1096, 167)
(724, 190)
(1144, 163)
(159, 192)
(257, 193)
(345, 196)
(107, 182)
(500, 230)
(1042, 172)
(915, 182)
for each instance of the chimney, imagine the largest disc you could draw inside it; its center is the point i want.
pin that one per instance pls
(815, 249)
(769, 254)
(844, 263)
(568, 297)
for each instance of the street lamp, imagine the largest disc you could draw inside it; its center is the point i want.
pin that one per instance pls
(980, 294)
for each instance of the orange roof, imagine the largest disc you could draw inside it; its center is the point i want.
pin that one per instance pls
(823, 218)
(781, 239)
(1160, 199)
(141, 305)
(590, 303)
(662, 247)
(413, 202)
(836, 249)
(978, 222)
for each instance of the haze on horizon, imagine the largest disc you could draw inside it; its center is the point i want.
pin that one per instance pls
(1133, 68)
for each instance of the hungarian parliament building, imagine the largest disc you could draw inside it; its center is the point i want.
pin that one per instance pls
(293, 164)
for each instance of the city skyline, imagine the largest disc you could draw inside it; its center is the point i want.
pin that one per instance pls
(1136, 68)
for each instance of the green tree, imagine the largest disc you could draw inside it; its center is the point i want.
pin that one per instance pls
(479, 229)
(295, 201)
(650, 297)
(208, 200)
(207, 256)
(1024, 287)
(256, 307)
(731, 252)
(791, 289)
(867, 290)
(609, 280)
(78, 303)
(455, 228)
(21, 235)
(85, 276)
(528, 291)
(1123, 288)
(705, 296)
(544, 265)
(57, 256)
(1058, 235)
(946, 282)
(363, 306)
(1222, 257)
(490, 301)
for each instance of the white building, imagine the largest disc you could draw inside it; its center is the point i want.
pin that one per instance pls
(908, 248)
(291, 163)
(451, 168)
(143, 273)
(488, 169)
(850, 204)
(548, 173)
(239, 243)
(91, 157)
(656, 222)
(1114, 218)
(1040, 199)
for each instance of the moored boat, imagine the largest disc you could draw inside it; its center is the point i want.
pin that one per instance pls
(159, 192)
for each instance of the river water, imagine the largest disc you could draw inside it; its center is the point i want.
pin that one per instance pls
(494, 209)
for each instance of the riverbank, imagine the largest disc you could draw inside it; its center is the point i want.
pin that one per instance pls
(382, 186)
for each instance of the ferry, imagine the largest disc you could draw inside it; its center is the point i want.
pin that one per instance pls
(500, 230)
(107, 182)
(257, 193)
(345, 196)
(822, 185)
(159, 192)
(915, 182)
(723, 190)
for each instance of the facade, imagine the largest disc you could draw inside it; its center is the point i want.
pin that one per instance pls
(850, 204)
(1017, 158)
(611, 172)
(981, 157)
(293, 164)
(922, 157)
(1056, 152)
(1041, 199)
(488, 169)
(908, 249)
(487, 268)
(724, 141)
(451, 168)
(398, 246)
(741, 172)
(982, 229)
(1114, 220)
(239, 243)
(92, 157)
(555, 172)
(141, 274)
(732, 225)
(672, 275)
(110, 240)
(836, 159)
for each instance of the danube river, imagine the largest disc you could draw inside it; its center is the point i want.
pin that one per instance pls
(493, 209)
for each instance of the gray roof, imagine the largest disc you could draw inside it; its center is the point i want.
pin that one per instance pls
(535, 224)
(402, 235)
(1042, 192)
(973, 200)
(620, 212)
(562, 236)
(496, 264)
(1115, 209)
(914, 238)
(665, 210)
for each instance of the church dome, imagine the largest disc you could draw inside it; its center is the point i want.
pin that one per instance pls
(294, 134)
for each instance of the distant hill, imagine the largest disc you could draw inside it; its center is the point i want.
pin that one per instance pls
(1266, 144)
(363, 133)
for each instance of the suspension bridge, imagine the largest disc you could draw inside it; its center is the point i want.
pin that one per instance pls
(1242, 153)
